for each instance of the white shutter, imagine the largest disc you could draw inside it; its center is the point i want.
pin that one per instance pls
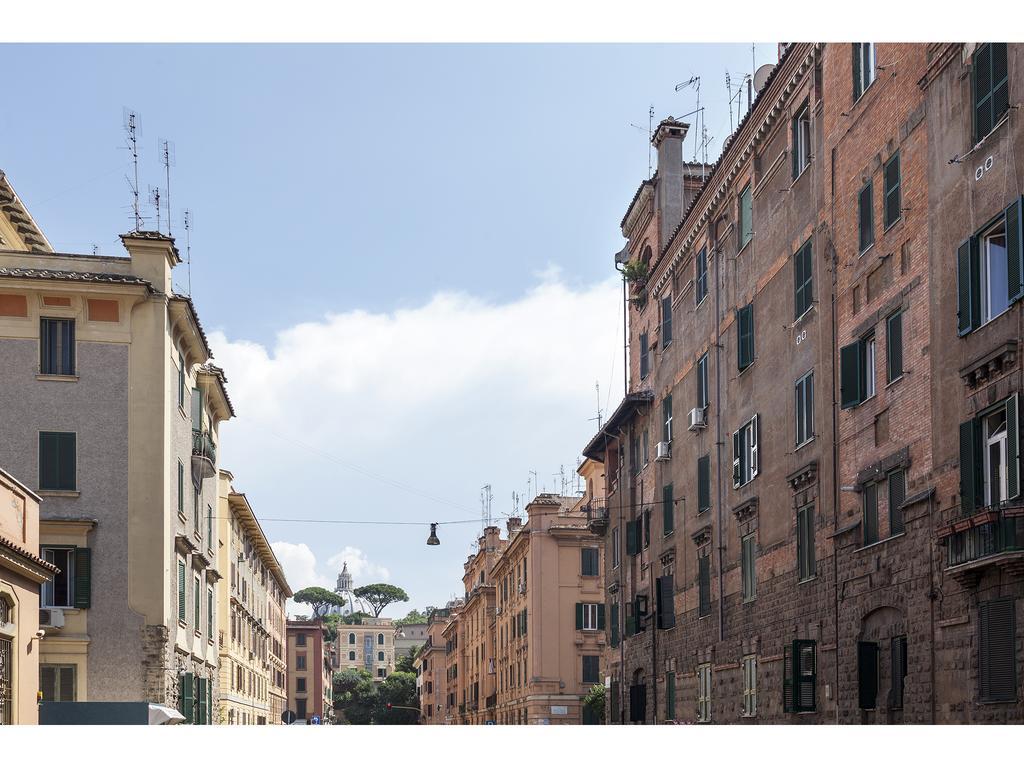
(755, 465)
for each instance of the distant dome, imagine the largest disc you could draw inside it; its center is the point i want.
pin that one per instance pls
(345, 589)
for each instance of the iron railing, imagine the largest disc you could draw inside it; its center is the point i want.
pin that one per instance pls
(202, 445)
(995, 531)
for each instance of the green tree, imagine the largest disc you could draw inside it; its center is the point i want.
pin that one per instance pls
(593, 703)
(415, 616)
(318, 599)
(405, 664)
(380, 596)
(399, 690)
(356, 695)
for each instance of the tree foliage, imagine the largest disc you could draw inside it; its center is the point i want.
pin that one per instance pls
(594, 701)
(355, 694)
(318, 599)
(380, 596)
(405, 663)
(398, 689)
(415, 616)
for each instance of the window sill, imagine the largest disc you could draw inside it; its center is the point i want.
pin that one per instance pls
(984, 139)
(744, 247)
(880, 541)
(800, 175)
(60, 494)
(866, 251)
(700, 303)
(808, 580)
(887, 229)
(805, 443)
(897, 380)
(181, 516)
(56, 377)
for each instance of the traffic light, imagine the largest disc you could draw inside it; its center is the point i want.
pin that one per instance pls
(389, 705)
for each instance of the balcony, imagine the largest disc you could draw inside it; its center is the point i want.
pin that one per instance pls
(204, 455)
(991, 536)
(597, 516)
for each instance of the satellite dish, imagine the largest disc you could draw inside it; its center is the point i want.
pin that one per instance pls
(761, 76)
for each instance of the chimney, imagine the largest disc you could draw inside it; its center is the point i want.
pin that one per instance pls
(668, 202)
(513, 526)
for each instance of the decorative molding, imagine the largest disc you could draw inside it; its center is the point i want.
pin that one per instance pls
(990, 365)
(746, 510)
(804, 477)
(702, 537)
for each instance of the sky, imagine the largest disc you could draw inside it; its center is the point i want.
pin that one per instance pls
(402, 254)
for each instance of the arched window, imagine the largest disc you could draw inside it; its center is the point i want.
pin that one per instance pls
(351, 638)
(380, 655)
(351, 655)
(646, 254)
(380, 639)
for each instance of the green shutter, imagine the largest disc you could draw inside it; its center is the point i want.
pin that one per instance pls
(187, 696)
(894, 346)
(614, 621)
(670, 696)
(181, 591)
(966, 287)
(851, 377)
(997, 665)
(1014, 251)
(1012, 449)
(201, 700)
(83, 577)
(745, 336)
(794, 129)
(632, 537)
(667, 502)
(855, 52)
(49, 459)
(67, 477)
(788, 704)
(970, 465)
(600, 616)
(704, 483)
(666, 611)
(579, 615)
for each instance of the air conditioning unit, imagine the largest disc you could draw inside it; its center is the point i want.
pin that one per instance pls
(497, 611)
(663, 452)
(51, 617)
(697, 419)
(522, 587)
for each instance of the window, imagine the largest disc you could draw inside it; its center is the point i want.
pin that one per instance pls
(58, 592)
(989, 268)
(898, 665)
(57, 682)
(799, 683)
(704, 483)
(869, 527)
(670, 696)
(300, 685)
(803, 282)
(209, 613)
(646, 518)
(891, 211)
(634, 455)
(300, 639)
(351, 655)
(615, 547)
(897, 485)
(645, 364)
(666, 321)
(667, 509)
(865, 218)
(591, 669)
(989, 462)
(745, 336)
(746, 224)
(196, 506)
(57, 459)
(745, 461)
(700, 285)
(57, 347)
(209, 527)
(646, 445)
(181, 381)
(989, 83)
(589, 562)
(805, 542)
(997, 663)
(181, 487)
(801, 139)
(351, 638)
(380, 672)
(181, 592)
(380, 639)
(704, 693)
(867, 675)
(704, 585)
(197, 603)
(894, 347)
(805, 408)
(380, 655)
(857, 372)
(749, 686)
(300, 709)
(614, 624)
(300, 661)
(702, 381)
(747, 566)
(863, 68)
(666, 413)
(664, 608)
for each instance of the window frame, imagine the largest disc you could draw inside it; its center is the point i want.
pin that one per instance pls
(68, 573)
(803, 391)
(746, 455)
(700, 280)
(58, 687)
(890, 190)
(863, 77)
(803, 280)
(990, 94)
(60, 485)
(866, 218)
(65, 359)
(749, 666)
(801, 124)
(704, 712)
(745, 228)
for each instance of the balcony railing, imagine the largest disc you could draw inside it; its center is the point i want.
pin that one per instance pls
(597, 515)
(986, 533)
(204, 453)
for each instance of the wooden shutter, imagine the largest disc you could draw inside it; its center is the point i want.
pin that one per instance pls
(897, 495)
(666, 320)
(968, 310)
(805, 673)
(647, 527)
(579, 615)
(632, 537)
(867, 674)
(851, 377)
(865, 217)
(996, 650)
(704, 585)
(855, 52)
(600, 616)
(745, 336)
(736, 462)
(970, 465)
(668, 518)
(755, 442)
(869, 526)
(614, 621)
(197, 409)
(898, 665)
(49, 461)
(201, 700)
(670, 696)
(665, 608)
(83, 577)
(788, 701)
(66, 463)
(1012, 448)
(1014, 251)
(794, 129)
(187, 696)
(703, 483)
(891, 191)
(894, 346)
(644, 360)
(181, 591)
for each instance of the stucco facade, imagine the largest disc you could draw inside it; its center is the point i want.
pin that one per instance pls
(310, 671)
(369, 646)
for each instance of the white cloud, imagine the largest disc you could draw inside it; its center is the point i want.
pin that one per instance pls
(437, 400)
(301, 568)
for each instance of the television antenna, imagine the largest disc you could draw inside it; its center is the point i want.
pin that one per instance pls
(167, 155)
(132, 127)
(188, 247)
(154, 200)
(486, 497)
(650, 136)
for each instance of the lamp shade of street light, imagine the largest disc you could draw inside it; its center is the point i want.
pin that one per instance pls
(432, 539)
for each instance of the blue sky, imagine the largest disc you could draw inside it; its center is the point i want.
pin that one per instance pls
(403, 254)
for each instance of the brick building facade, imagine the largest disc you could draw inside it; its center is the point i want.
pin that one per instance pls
(788, 301)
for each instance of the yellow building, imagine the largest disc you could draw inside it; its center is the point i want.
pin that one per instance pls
(369, 646)
(111, 411)
(251, 642)
(477, 674)
(431, 669)
(22, 573)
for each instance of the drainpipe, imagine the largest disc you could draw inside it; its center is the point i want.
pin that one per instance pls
(718, 422)
(931, 599)
(835, 438)
(622, 534)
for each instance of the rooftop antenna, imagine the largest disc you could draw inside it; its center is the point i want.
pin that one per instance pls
(515, 504)
(533, 472)
(728, 92)
(95, 249)
(597, 386)
(486, 497)
(131, 129)
(188, 247)
(154, 200)
(167, 154)
(693, 82)
(650, 136)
